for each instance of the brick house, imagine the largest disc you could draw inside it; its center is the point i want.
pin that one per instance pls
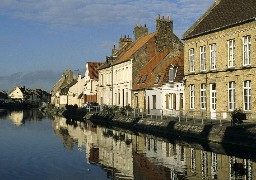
(220, 60)
(155, 86)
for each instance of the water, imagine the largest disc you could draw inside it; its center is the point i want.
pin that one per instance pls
(37, 147)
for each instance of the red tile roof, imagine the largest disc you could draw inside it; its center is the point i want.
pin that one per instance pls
(159, 66)
(93, 69)
(133, 48)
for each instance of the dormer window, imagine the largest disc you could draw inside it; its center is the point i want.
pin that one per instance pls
(172, 73)
(144, 79)
(157, 79)
(138, 82)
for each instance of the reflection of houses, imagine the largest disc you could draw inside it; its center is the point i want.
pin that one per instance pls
(17, 117)
(115, 153)
(91, 81)
(221, 58)
(183, 162)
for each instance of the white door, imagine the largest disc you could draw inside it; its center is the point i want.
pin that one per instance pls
(213, 101)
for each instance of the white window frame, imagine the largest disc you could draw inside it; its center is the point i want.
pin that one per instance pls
(213, 51)
(231, 96)
(192, 96)
(247, 99)
(203, 96)
(231, 53)
(192, 60)
(202, 58)
(247, 50)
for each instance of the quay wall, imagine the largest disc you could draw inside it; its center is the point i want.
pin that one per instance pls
(243, 134)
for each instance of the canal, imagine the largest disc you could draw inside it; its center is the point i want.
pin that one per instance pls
(37, 147)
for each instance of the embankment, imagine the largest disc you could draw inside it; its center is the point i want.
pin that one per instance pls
(242, 135)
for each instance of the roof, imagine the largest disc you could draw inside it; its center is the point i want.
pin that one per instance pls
(223, 14)
(159, 66)
(134, 47)
(65, 89)
(93, 69)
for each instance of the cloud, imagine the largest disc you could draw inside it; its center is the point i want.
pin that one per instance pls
(101, 12)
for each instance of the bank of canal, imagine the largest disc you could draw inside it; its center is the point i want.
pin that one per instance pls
(242, 134)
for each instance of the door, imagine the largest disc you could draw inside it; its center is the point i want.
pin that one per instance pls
(213, 101)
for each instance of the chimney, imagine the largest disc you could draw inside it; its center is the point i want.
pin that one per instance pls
(140, 31)
(114, 50)
(164, 33)
(123, 41)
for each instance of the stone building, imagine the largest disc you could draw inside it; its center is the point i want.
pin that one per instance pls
(155, 85)
(220, 60)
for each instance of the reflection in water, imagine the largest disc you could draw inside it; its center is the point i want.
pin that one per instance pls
(128, 156)
(21, 116)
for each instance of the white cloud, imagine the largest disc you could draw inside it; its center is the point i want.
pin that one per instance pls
(105, 12)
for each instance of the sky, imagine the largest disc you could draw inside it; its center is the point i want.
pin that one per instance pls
(40, 39)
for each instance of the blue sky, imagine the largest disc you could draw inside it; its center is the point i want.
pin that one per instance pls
(53, 35)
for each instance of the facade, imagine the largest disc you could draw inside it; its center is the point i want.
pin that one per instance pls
(91, 81)
(75, 92)
(117, 73)
(220, 60)
(56, 96)
(159, 83)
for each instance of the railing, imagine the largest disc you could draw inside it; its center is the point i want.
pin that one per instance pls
(188, 116)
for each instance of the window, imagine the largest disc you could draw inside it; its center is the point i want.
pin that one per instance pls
(213, 56)
(231, 96)
(157, 79)
(203, 96)
(192, 60)
(231, 53)
(144, 79)
(154, 101)
(246, 50)
(172, 74)
(247, 95)
(101, 79)
(172, 101)
(136, 101)
(202, 58)
(192, 96)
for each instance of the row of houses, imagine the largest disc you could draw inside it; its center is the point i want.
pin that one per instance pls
(209, 73)
(22, 94)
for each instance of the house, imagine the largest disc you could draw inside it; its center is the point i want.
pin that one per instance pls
(57, 97)
(158, 76)
(159, 85)
(75, 92)
(91, 81)
(117, 74)
(22, 94)
(220, 56)
(3, 96)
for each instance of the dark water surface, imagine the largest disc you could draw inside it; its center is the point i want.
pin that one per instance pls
(36, 147)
